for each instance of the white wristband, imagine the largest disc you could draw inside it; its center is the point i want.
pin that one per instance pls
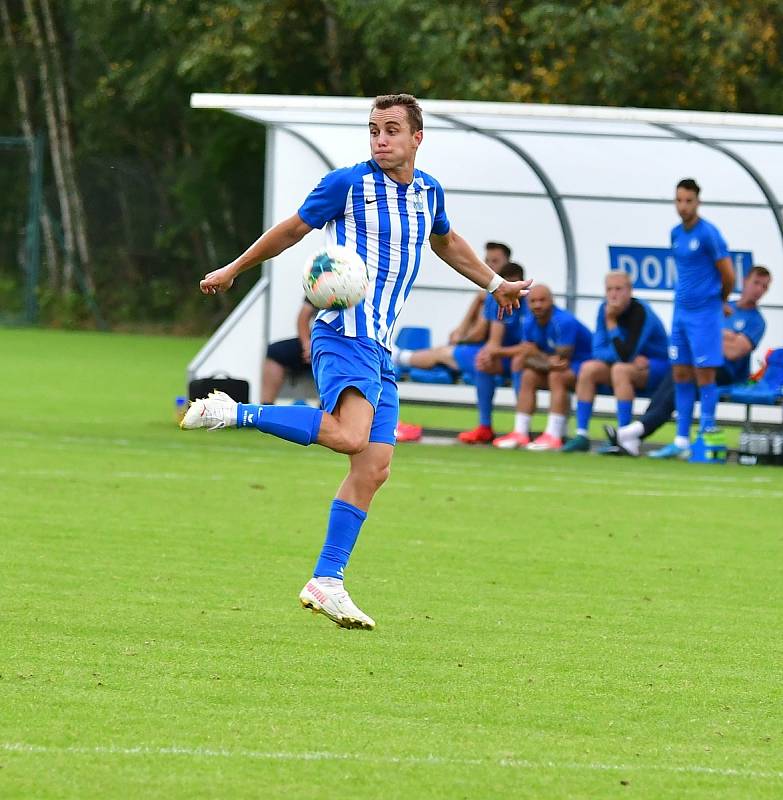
(494, 283)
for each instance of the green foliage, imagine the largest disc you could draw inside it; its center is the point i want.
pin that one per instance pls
(174, 192)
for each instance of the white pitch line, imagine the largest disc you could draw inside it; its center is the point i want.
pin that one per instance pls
(319, 755)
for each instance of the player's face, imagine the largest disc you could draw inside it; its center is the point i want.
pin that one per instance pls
(755, 287)
(392, 143)
(687, 202)
(618, 292)
(495, 258)
(540, 302)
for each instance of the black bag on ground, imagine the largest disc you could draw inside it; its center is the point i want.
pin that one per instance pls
(235, 388)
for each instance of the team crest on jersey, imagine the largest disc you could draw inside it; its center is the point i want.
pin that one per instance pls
(739, 324)
(418, 201)
(694, 244)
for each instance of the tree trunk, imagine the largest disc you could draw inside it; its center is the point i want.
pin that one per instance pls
(26, 118)
(335, 76)
(55, 146)
(74, 193)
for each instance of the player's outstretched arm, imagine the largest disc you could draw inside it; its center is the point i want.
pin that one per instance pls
(278, 238)
(460, 256)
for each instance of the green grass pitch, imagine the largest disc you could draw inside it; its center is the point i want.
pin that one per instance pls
(548, 626)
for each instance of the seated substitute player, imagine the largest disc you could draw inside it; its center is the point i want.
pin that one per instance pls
(468, 337)
(705, 278)
(461, 357)
(473, 327)
(743, 329)
(554, 346)
(292, 355)
(630, 353)
(490, 362)
(465, 340)
(386, 210)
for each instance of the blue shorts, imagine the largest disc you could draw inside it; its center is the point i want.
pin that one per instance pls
(697, 336)
(659, 368)
(287, 353)
(465, 356)
(340, 362)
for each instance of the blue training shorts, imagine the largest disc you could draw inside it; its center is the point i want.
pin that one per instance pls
(465, 356)
(340, 362)
(697, 336)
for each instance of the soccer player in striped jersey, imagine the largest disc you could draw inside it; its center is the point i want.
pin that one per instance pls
(386, 210)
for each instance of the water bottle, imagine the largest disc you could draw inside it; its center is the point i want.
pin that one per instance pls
(180, 407)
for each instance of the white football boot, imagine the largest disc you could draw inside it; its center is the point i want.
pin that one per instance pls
(216, 410)
(334, 602)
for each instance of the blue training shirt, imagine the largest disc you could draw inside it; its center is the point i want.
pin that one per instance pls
(387, 223)
(562, 330)
(749, 322)
(695, 252)
(652, 342)
(512, 323)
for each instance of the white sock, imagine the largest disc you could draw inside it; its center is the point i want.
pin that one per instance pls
(683, 442)
(522, 423)
(582, 432)
(555, 425)
(634, 430)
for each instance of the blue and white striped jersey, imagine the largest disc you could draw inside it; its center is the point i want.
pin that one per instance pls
(387, 223)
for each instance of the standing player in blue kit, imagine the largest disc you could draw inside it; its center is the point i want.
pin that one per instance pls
(705, 278)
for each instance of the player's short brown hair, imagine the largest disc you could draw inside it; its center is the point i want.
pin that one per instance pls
(499, 246)
(511, 271)
(408, 102)
(690, 185)
(762, 272)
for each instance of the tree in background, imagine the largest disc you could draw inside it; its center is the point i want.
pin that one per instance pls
(150, 194)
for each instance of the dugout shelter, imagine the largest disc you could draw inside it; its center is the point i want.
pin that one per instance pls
(575, 191)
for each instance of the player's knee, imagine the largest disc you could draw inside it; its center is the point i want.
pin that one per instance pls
(355, 442)
(371, 476)
(379, 474)
(588, 372)
(620, 372)
(558, 378)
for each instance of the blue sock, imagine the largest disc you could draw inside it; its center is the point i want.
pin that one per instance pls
(485, 389)
(345, 522)
(624, 412)
(584, 410)
(684, 398)
(298, 424)
(708, 395)
(516, 381)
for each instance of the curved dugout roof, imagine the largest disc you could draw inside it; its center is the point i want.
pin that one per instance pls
(575, 191)
(566, 155)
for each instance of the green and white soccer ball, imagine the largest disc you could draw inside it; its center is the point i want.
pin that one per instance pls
(335, 277)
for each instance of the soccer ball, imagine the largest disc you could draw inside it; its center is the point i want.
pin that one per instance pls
(335, 277)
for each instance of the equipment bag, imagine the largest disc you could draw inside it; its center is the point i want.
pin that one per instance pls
(235, 388)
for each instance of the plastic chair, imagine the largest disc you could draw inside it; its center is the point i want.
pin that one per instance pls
(434, 375)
